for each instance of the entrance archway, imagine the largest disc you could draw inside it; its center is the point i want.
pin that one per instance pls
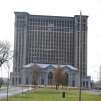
(13, 81)
(50, 77)
(42, 81)
(73, 83)
(67, 79)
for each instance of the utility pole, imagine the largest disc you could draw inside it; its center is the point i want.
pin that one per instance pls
(80, 43)
(100, 74)
(100, 77)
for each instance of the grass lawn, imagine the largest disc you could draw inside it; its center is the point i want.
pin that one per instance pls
(52, 95)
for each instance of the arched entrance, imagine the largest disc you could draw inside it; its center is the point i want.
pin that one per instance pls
(67, 79)
(16, 80)
(50, 77)
(19, 80)
(42, 81)
(26, 80)
(73, 83)
(13, 81)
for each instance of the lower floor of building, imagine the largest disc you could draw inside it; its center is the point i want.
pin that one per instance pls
(46, 76)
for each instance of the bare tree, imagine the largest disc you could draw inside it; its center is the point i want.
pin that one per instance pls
(100, 74)
(100, 77)
(35, 72)
(8, 72)
(5, 56)
(1, 82)
(5, 53)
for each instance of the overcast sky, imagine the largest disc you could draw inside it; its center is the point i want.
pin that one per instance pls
(92, 8)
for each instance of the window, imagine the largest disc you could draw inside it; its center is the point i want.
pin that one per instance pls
(83, 83)
(87, 84)
(17, 17)
(84, 20)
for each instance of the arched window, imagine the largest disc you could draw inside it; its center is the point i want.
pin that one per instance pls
(50, 77)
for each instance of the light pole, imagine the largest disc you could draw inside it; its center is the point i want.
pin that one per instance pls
(100, 77)
(80, 43)
(97, 75)
(97, 79)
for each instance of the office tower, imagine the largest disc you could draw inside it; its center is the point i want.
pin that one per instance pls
(49, 39)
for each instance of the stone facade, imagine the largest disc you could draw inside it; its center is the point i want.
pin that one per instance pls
(49, 40)
(47, 69)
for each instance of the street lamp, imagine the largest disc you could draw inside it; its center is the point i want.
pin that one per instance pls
(97, 75)
(97, 79)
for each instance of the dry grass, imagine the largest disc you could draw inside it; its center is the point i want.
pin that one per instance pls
(60, 87)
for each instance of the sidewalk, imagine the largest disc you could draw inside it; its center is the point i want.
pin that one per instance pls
(3, 88)
(12, 91)
(92, 92)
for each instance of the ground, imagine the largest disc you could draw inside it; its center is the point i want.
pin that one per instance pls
(44, 94)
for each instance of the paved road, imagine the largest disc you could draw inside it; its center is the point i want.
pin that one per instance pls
(12, 91)
(92, 92)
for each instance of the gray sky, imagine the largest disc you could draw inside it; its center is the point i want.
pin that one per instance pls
(92, 8)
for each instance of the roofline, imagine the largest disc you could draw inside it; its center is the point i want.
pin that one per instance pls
(32, 64)
(82, 16)
(50, 15)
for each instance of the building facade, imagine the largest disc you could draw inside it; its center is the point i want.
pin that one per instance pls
(46, 75)
(49, 39)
